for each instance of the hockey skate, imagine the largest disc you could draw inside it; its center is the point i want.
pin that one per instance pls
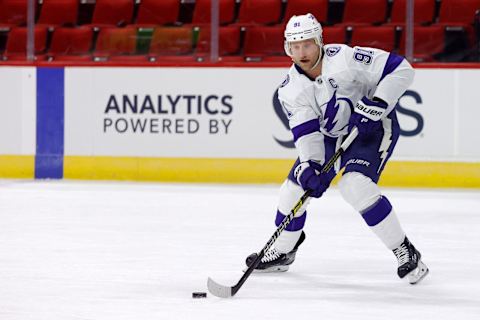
(410, 264)
(274, 261)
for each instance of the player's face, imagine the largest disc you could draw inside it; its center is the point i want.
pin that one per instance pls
(305, 53)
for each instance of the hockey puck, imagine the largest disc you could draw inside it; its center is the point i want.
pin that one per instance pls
(197, 295)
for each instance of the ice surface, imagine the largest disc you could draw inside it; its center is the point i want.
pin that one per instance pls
(105, 250)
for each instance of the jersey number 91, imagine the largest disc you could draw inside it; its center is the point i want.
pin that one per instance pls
(363, 56)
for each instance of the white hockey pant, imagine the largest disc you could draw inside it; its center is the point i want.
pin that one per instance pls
(365, 197)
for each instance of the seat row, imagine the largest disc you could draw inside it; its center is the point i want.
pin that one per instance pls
(266, 12)
(255, 43)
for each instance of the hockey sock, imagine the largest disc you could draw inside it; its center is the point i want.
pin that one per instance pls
(381, 218)
(289, 237)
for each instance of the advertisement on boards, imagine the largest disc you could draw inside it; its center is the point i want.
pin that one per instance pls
(186, 112)
(232, 113)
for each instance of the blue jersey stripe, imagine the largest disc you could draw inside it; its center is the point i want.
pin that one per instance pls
(305, 128)
(50, 123)
(392, 63)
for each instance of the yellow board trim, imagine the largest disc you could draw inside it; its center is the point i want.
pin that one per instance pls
(17, 166)
(176, 169)
(396, 174)
(432, 174)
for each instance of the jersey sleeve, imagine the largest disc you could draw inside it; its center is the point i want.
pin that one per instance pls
(304, 123)
(386, 75)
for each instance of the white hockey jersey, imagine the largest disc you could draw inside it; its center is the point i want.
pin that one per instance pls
(322, 106)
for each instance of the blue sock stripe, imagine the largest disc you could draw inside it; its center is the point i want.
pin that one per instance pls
(50, 119)
(295, 225)
(376, 213)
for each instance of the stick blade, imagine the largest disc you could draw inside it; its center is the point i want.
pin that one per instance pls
(219, 290)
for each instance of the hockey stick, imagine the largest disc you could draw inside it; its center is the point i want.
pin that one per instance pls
(225, 291)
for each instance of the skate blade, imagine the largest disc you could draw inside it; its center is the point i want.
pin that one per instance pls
(270, 270)
(418, 274)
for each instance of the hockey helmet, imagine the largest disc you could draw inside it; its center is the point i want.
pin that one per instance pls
(300, 28)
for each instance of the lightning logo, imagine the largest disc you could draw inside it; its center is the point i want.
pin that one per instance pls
(386, 142)
(332, 110)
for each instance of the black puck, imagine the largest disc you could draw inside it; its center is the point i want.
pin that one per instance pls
(197, 295)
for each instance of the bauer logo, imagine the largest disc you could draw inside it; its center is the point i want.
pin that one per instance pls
(359, 162)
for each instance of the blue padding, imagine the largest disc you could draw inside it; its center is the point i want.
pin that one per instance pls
(376, 213)
(392, 63)
(50, 123)
(305, 128)
(295, 225)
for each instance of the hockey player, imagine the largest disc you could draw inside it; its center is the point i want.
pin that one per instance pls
(328, 90)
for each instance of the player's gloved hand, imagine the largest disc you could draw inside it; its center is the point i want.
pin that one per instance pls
(366, 116)
(308, 178)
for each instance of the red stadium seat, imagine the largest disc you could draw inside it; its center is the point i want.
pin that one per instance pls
(114, 41)
(263, 41)
(335, 34)
(427, 42)
(424, 11)
(364, 12)
(171, 41)
(382, 37)
(13, 12)
(458, 12)
(112, 12)
(459, 16)
(202, 11)
(318, 8)
(75, 42)
(260, 12)
(16, 43)
(58, 12)
(228, 42)
(158, 12)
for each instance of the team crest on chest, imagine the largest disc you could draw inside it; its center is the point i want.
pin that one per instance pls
(331, 51)
(331, 110)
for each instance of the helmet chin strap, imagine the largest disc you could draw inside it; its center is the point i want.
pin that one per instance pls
(320, 55)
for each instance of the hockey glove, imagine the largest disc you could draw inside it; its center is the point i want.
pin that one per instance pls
(308, 178)
(367, 115)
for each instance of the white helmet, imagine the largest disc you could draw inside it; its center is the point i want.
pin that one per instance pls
(302, 28)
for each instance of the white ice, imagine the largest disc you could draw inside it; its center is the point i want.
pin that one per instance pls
(105, 250)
